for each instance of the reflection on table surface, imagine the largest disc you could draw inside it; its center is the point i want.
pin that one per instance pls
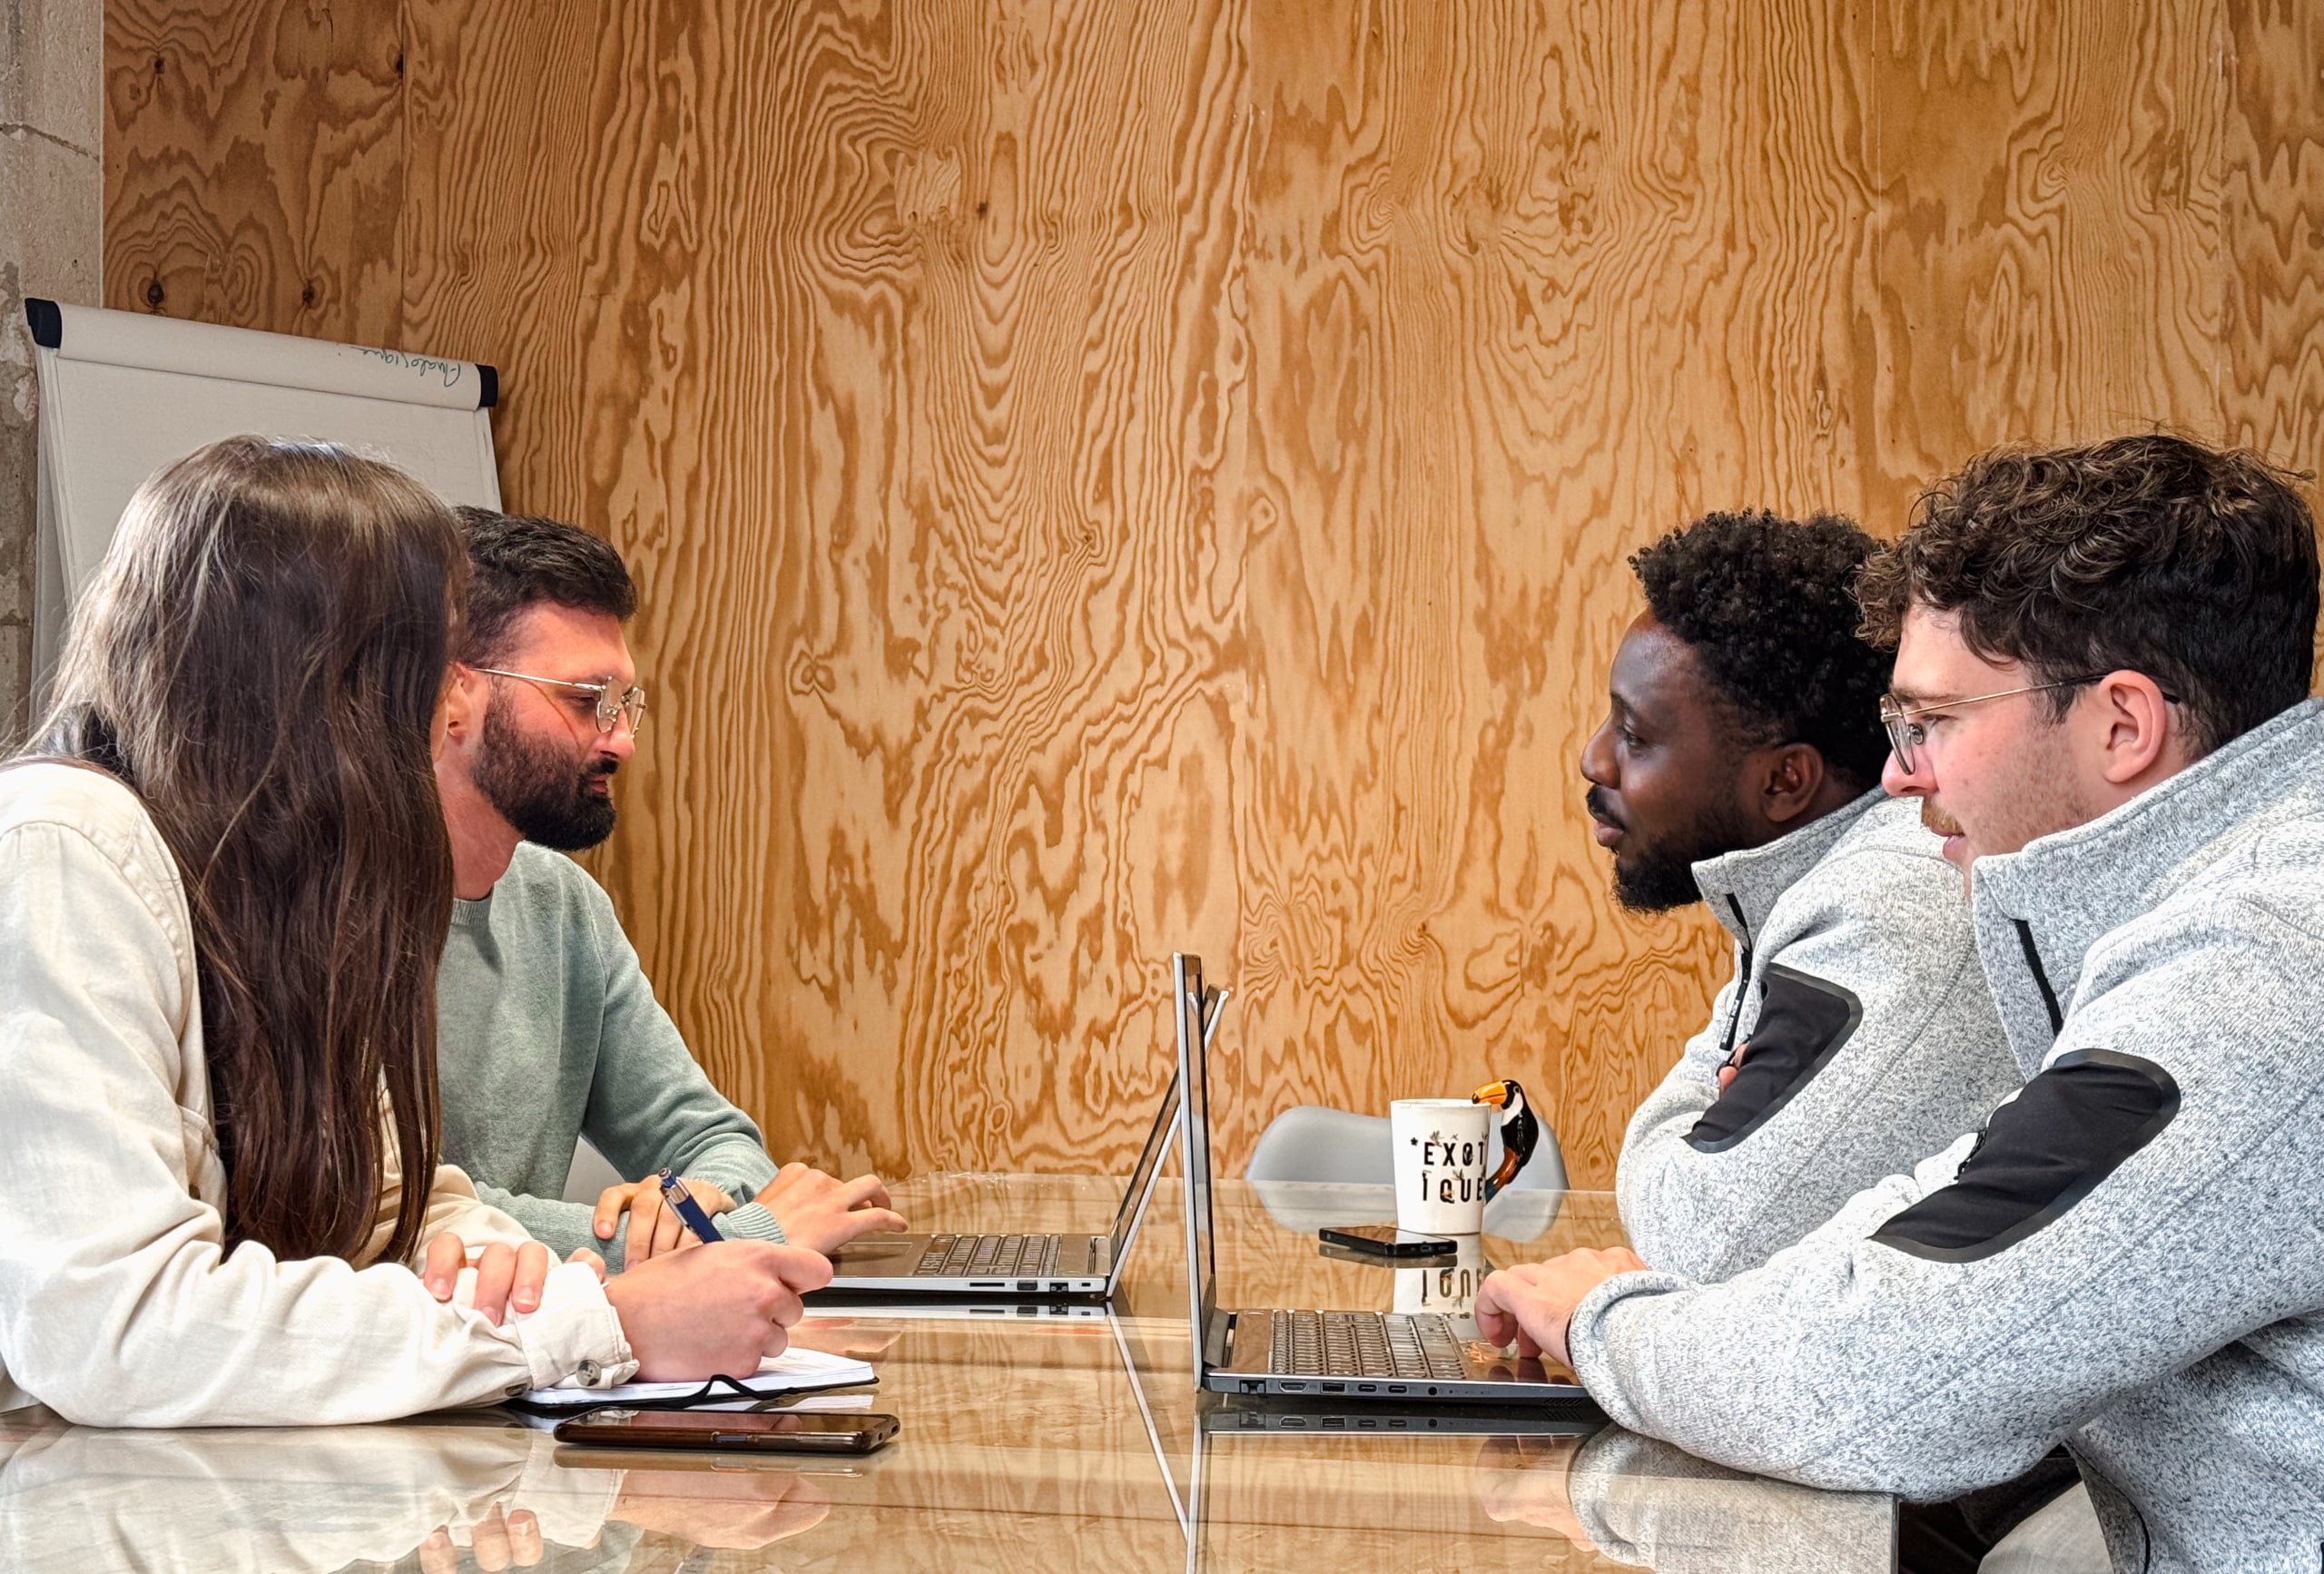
(1028, 1443)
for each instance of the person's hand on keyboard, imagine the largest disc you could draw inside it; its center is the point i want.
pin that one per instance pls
(822, 1212)
(1533, 1302)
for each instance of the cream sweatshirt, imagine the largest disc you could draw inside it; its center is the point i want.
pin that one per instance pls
(119, 1304)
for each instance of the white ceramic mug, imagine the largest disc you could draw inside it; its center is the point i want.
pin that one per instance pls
(1449, 1289)
(1439, 1164)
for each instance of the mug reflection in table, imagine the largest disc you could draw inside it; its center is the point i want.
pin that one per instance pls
(1448, 1288)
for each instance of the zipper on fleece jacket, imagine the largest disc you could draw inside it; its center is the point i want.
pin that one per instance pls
(2040, 978)
(1742, 978)
(2049, 1004)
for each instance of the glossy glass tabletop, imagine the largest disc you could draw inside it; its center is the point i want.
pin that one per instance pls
(1028, 1443)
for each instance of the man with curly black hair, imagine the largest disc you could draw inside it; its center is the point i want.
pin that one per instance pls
(1741, 764)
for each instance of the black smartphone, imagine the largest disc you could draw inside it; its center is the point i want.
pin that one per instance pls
(1386, 1241)
(739, 1431)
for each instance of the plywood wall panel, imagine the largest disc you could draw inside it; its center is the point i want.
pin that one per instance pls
(253, 163)
(2048, 257)
(1110, 476)
(496, 218)
(1529, 285)
(901, 384)
(2270, 357)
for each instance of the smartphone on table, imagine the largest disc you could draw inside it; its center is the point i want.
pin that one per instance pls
(737, 1431)
(1386, 1241)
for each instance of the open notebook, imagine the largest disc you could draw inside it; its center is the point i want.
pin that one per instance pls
(793, 1372)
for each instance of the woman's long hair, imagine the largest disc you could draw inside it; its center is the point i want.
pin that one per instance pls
(260, 657)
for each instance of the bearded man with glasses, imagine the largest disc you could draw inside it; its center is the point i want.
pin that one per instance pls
(548, 1031)
(2102, 699)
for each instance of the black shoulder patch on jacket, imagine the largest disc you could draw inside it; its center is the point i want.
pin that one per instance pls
(1803, 1021)
(2043, 1152)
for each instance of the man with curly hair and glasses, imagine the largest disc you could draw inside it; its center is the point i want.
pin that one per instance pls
(547, 1029)
(1739, 765)
(2102, 700)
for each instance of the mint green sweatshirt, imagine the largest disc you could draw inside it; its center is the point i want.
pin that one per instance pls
(548, 1031)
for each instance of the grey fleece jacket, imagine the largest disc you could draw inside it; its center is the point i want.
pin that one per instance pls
(548, 1031)
(1873, 1043)
(2126, 1255)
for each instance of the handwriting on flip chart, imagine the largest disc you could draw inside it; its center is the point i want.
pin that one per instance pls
(450, 371)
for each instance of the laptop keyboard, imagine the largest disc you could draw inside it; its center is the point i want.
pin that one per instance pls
(1002, 1257)
(1364, 1344)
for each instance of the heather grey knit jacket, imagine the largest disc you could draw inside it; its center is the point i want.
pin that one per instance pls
(1873, 1043)
(2128, 1254)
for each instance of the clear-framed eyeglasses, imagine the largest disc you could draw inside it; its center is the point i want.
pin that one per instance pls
(629, 704)
(1907, 733)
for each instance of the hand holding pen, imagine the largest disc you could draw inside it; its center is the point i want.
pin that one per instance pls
(653, 1224)
(676, 1196)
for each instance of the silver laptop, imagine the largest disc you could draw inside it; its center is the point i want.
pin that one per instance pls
(1027, 1267)
(1363, 1356)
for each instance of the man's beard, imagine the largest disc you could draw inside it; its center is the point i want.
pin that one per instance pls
(538, 787)
(1661, 875)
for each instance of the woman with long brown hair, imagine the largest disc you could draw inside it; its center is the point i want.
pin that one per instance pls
(224, 886)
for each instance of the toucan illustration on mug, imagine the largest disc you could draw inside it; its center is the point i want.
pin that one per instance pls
(1520, 1130)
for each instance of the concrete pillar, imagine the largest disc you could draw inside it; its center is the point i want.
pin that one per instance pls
(52, 243)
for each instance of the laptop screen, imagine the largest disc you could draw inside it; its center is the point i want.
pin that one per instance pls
(1186, 1004)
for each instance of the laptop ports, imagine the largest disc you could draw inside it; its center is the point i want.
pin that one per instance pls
(1027, 1286)
(1335, 1388)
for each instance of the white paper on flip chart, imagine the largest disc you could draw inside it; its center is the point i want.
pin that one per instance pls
(123, 393)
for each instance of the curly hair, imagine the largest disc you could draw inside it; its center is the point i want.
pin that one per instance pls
(2151, 554)
(1768, 608)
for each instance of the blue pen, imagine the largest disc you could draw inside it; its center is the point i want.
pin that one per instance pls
(674, 1193)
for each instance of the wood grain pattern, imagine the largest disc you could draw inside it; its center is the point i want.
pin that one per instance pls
(1112, 475)
(2049, 256)
(254, 160)
(2269, 358)
(1524, 294)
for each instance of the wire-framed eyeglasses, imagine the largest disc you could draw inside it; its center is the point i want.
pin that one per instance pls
(628, 705)
(1906, 735)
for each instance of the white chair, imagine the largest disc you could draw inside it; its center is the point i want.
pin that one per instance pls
(590, 1174)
